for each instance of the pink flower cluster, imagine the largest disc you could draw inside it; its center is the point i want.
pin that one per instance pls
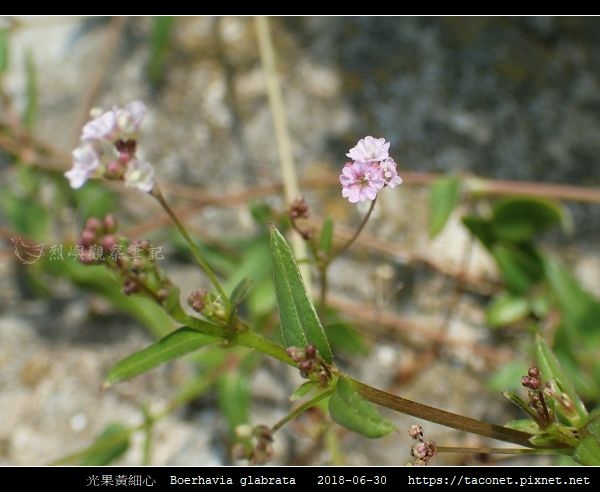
(371, 170)
(108, 149)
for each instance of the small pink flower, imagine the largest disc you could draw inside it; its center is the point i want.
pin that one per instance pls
(118, 123)
(101, 128)
(130, 118)
(361, 181)
(390, 174)
(108, 149)
(370, 149)
(85, 163)
(140, 175)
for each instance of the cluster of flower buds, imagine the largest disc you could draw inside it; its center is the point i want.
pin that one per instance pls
(423, 451)
(533, 379)
(537, 402)
(310, 364)
(254, 444)
(97, 241)
(207, 304)
(134, 260)
(108, 149)
(300, 210)
(545, 397)
(370, 170)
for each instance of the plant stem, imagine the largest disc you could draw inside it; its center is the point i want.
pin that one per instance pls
(442, 417)
(301, 409)
(156, 193)
(254, 340)
(357, 233)
(402, 405)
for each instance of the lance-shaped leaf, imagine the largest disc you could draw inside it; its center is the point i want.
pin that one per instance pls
(551, 369)
(300, 324)
(443, 197)
(303, 390)
(352, 411)
(234, 398)
(521, 218)
(506, 309)
(109, 446)
(587, 451)
(174, 345)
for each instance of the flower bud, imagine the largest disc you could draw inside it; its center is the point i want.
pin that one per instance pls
(93, 224)
(299, 209)
(311, 351)
(415, 431)
(87, 238)
(296, 354)
(130, 287)
(110, 223)
(109, 242)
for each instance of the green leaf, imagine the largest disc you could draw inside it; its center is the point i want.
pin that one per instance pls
(519, 402)
(26, 216)
(524, 425)
(563, 434)
(579, 360)
(240, 292)
(520, 266)
(99, 279)
(580, 310)
(303, 390)
(443, 197)
(506, 309)
(159, 42)
(31, 91)
(553, 436)
(299, 321)
(234, 398)
(520, 219)
(174, 345)
(550, 368)
(326, 238)
(109, 446)
(352, 411)
(261, 212)
(4, 51)
(587, 452)
(481, 229)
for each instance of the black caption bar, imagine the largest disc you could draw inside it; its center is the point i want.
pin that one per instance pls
(128, 479)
